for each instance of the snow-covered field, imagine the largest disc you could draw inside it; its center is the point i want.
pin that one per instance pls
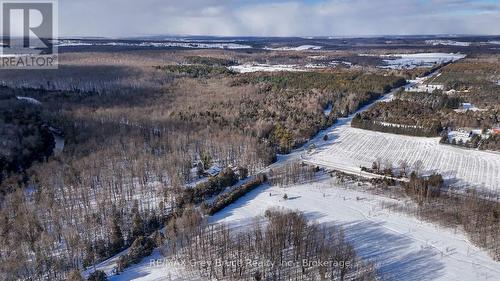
(402, 247)
(398, 61)
(447, 43)
(30, 100)
(259, 67)
(349, 148)
(246, 68)
(424, 88)
(298, 48)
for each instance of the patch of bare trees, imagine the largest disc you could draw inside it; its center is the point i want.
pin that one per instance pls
(476, 213)
(292, 173)
(281, 246)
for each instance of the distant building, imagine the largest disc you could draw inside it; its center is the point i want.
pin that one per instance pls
(467, 107)
(213, 171)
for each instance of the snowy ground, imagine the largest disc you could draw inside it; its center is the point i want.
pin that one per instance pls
(458, 136)
(257, 67)
(260, 67)
(299, 48)
(30, 100)
(59, 144)
(399, 61)
(466, 107)
(349, 148)
(402, 247)
(152, 268)
(447, 43)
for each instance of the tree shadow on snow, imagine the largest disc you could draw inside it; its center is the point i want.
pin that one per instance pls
(241, 202)
(391, 253)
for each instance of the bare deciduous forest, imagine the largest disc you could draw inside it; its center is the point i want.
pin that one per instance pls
(132, 137)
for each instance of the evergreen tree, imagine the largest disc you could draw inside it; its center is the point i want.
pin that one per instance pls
(158, 238)
(137, 226)
(121, 264)
(243, 172)
(142, 247)
(206, 159)
(98, 275)
(116, 239)
(137, 222)
(74, 275)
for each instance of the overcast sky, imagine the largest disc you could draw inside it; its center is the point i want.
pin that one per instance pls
(118, 18)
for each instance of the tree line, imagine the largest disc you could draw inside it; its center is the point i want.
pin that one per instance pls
(282, 245)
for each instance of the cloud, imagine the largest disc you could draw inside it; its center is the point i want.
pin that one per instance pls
(277, 17)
